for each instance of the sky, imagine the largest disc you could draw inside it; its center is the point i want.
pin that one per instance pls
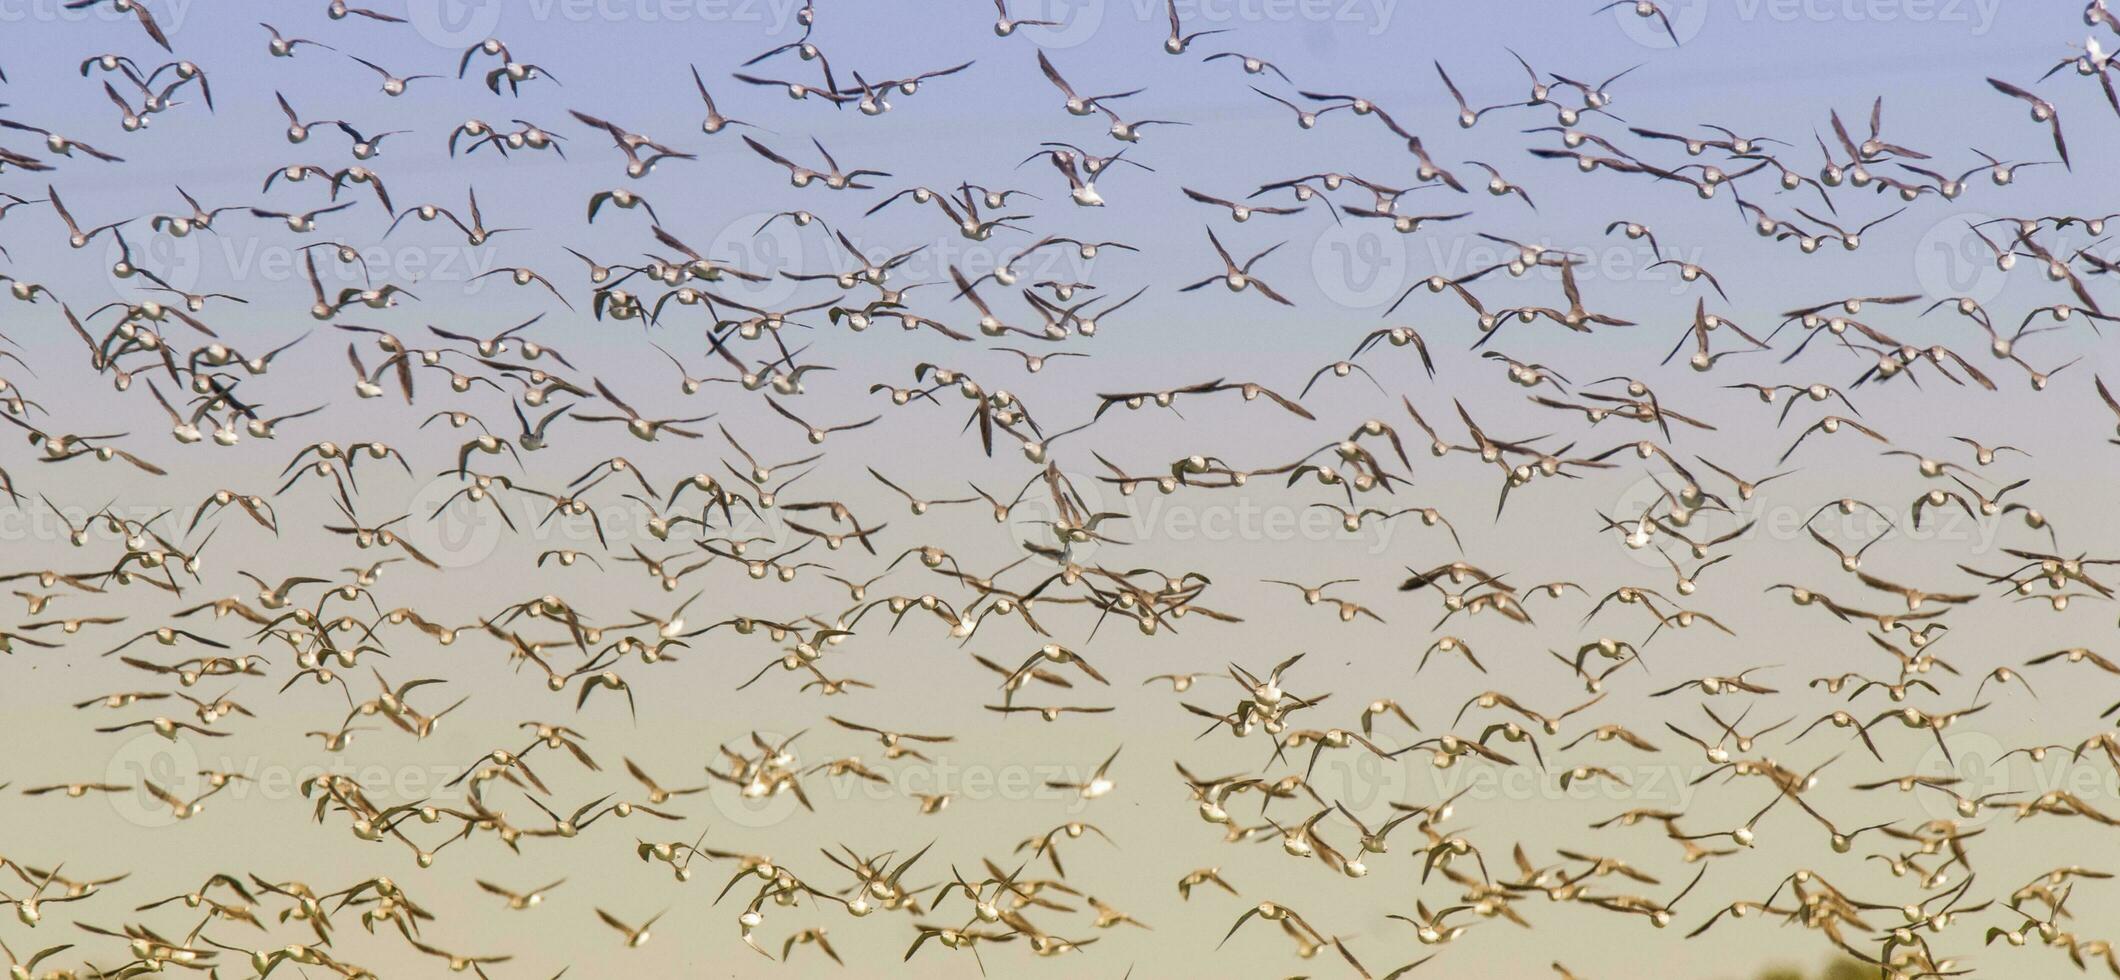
(1760, 67)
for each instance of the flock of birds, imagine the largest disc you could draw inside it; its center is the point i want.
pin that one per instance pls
(852, 553)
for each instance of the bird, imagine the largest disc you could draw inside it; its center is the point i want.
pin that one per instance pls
(1467, 116)
(393, 84)
(2041, 110)
(1004, 26)
(644, 429)
(287, 47)
(1237, 212)
(1644, 9)
(1178, 42)
(1250, 64)
(1076, 104)
(62, 145)
(714, 122)
(1238, 277)
(636, 937)
(1097, 784)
